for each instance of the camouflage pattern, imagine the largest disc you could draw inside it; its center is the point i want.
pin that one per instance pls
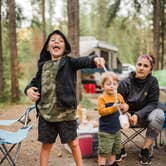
(48, 106)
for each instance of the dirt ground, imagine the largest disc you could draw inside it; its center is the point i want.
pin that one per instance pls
(29, 155)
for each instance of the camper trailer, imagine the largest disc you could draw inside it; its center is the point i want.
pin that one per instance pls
(92, 46)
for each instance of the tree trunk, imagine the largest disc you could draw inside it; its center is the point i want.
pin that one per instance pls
(73, 31)
(102, 16)
(1, 58)
(163, 33)
(15, 93)
(50, 14)
(43, 21)
(156, 30)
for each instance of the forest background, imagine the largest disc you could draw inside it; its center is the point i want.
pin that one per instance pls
(133, 26)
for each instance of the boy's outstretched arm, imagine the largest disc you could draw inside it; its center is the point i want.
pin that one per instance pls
(87, 62)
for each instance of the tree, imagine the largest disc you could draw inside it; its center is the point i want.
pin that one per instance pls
(73, 31)
(43, 20)
(101, 15)
(15, 93)
(1, 58)
(51, 6)
(157, 8)
(37, 38)
(163, 33)
(156, 30)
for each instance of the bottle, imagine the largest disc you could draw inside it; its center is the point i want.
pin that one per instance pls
(79, 113)
(84, 115)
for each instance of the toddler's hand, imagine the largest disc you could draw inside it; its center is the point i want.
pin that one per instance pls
(123, 107)
(116, 105)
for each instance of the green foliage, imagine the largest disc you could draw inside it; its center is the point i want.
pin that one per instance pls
(23, 83)
(19, 16)
(160, 75)
(126, 33)
(6, 61)
(86, 102)
(112, 11)
(24, 53)
(121, 35)
(88, 18)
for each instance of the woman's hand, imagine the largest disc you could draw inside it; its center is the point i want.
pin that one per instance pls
(99, 62)
(33, 94)
(133, 120)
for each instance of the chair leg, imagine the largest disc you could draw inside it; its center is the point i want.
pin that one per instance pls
(17, 152)
(156, 143)
(128, 139)
(7, 155)
(161, 143)
(139, 132)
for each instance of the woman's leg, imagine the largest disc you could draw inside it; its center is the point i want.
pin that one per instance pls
(44, 155)
(155, 123)
(156, 120)
(74, 146)
(147, 143)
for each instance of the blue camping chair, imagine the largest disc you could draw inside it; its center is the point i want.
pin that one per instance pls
(9, 140)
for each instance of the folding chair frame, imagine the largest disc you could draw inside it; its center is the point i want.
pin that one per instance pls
(163, 131)
(130, 138)
(6, 150)
(6, 153)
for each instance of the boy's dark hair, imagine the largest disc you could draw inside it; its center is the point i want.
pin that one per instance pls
(45, 55)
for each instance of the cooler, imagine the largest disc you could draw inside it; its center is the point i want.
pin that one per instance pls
(88, 141)
(85, 142)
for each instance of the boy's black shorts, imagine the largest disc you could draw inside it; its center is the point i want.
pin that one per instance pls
(48, 131)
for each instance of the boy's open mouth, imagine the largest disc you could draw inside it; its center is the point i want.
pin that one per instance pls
(56, 47)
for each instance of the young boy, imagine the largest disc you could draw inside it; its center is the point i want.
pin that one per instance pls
(109, 125)
(53, 90)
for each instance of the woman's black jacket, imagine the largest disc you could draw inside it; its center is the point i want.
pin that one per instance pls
(141, 95)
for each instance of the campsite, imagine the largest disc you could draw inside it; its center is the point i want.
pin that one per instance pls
(29, 154)
(54, 56)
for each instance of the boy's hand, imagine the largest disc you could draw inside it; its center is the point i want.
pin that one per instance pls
(33, 94)
(99, 62)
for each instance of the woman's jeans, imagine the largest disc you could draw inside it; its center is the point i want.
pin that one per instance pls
(153, 123)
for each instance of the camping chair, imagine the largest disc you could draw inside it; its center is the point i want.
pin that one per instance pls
(136, 135)
(9, 139)
(134, 132)
(138, 132)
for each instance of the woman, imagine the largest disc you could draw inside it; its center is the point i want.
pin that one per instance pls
(141, 92)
